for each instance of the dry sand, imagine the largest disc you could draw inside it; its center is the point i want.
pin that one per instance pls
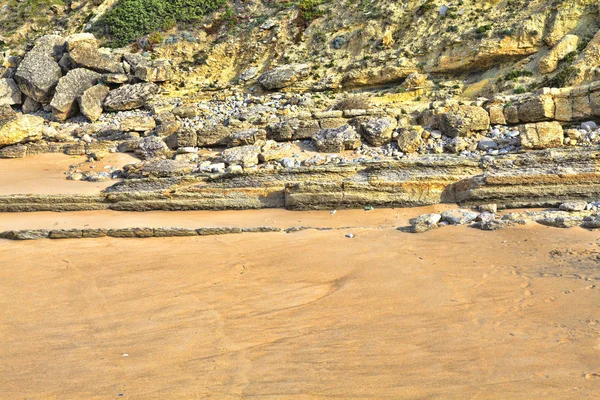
(454, 313)
(45, 174)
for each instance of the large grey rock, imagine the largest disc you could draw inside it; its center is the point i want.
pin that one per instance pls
(459, 216)
(9, 92)
(464, 121)
(378, 131)
(90, 102)
(86, 55)
(573, 206)
(283, 76)
(129, 97)
(38, 73)
(425, 222)
(69, 88)
(246, 156)
(152, 147)
(591, 222)
(336, 140)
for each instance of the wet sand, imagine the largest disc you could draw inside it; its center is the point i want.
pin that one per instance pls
(45, 174)
(280, 218)
(454, 313)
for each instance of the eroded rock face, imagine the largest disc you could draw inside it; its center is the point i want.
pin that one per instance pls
(409, 138)
(292, 129)
(18, 128)
(464, 121)
(283, 76)
(10, 93)
(70, 87)
(550, 61)
(336, 140)
(378, 131)
(90, 102)
(246, 137)
(38, 73)
(536, 108)
(129, 97)
(541, 135)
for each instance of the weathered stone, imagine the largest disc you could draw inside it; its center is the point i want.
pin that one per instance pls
(14, 151)
(459, 216)
(293, 129)
(90, 102)
(328, 123)
(70, 87)
(66, 234)
(337, 140)
(409, 138)
(456, 145)
(10, 93)
(425, 222)
(185, 111)
(27, 234)
(246, 156)
(158, 169)
(137, 123)
(541, 135)
(129, 97)
(591, 222)
(19, 128)
(573, 206)
(560, 221)
(115, 79)
(86, 55)
(581, 106)
(563, 109)
(566, 45)
(283, 76)
(131, 232)
(174, 231)
(536, 108)
(38, 73)
(30, 106)
(414, 81)
(214, 136)
(464, 121)
(94, 233)
(159, 71)
(152, 147)
(496, 112)
(167, 128)
(378, 131)
(77, 39)
(511, 114)
(246, 137)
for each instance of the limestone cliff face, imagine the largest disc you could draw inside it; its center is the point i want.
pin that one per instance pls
(350, 44)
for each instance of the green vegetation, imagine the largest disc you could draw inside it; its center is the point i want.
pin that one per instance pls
(131, 19)
(520, 90)
(309, 9)
(516, 74)
(483, 29)
(28, 11)
(564, 77)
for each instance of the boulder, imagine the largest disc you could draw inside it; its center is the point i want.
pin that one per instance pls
(378, 131)
(541, 135)
(18, 128)
(246, 137)
(464, 121)
(414, 81)
(86, 55)
(152, 147)
(69, 88)
(459, 216)
(591, 222)
(536, 108)
(409, 138)
(293, 129)
(80, 38)
(14, 151)
(38, 73)
(129, 97)
(283, 76)
(159, 71)
(425, 222)
(10, 93)
(573, 206)
(90, 101)
(336, 140)
(218, 135)
(137, 123)
(246, 156)
(549, 62)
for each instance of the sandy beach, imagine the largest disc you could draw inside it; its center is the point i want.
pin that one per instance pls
(453, 313)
